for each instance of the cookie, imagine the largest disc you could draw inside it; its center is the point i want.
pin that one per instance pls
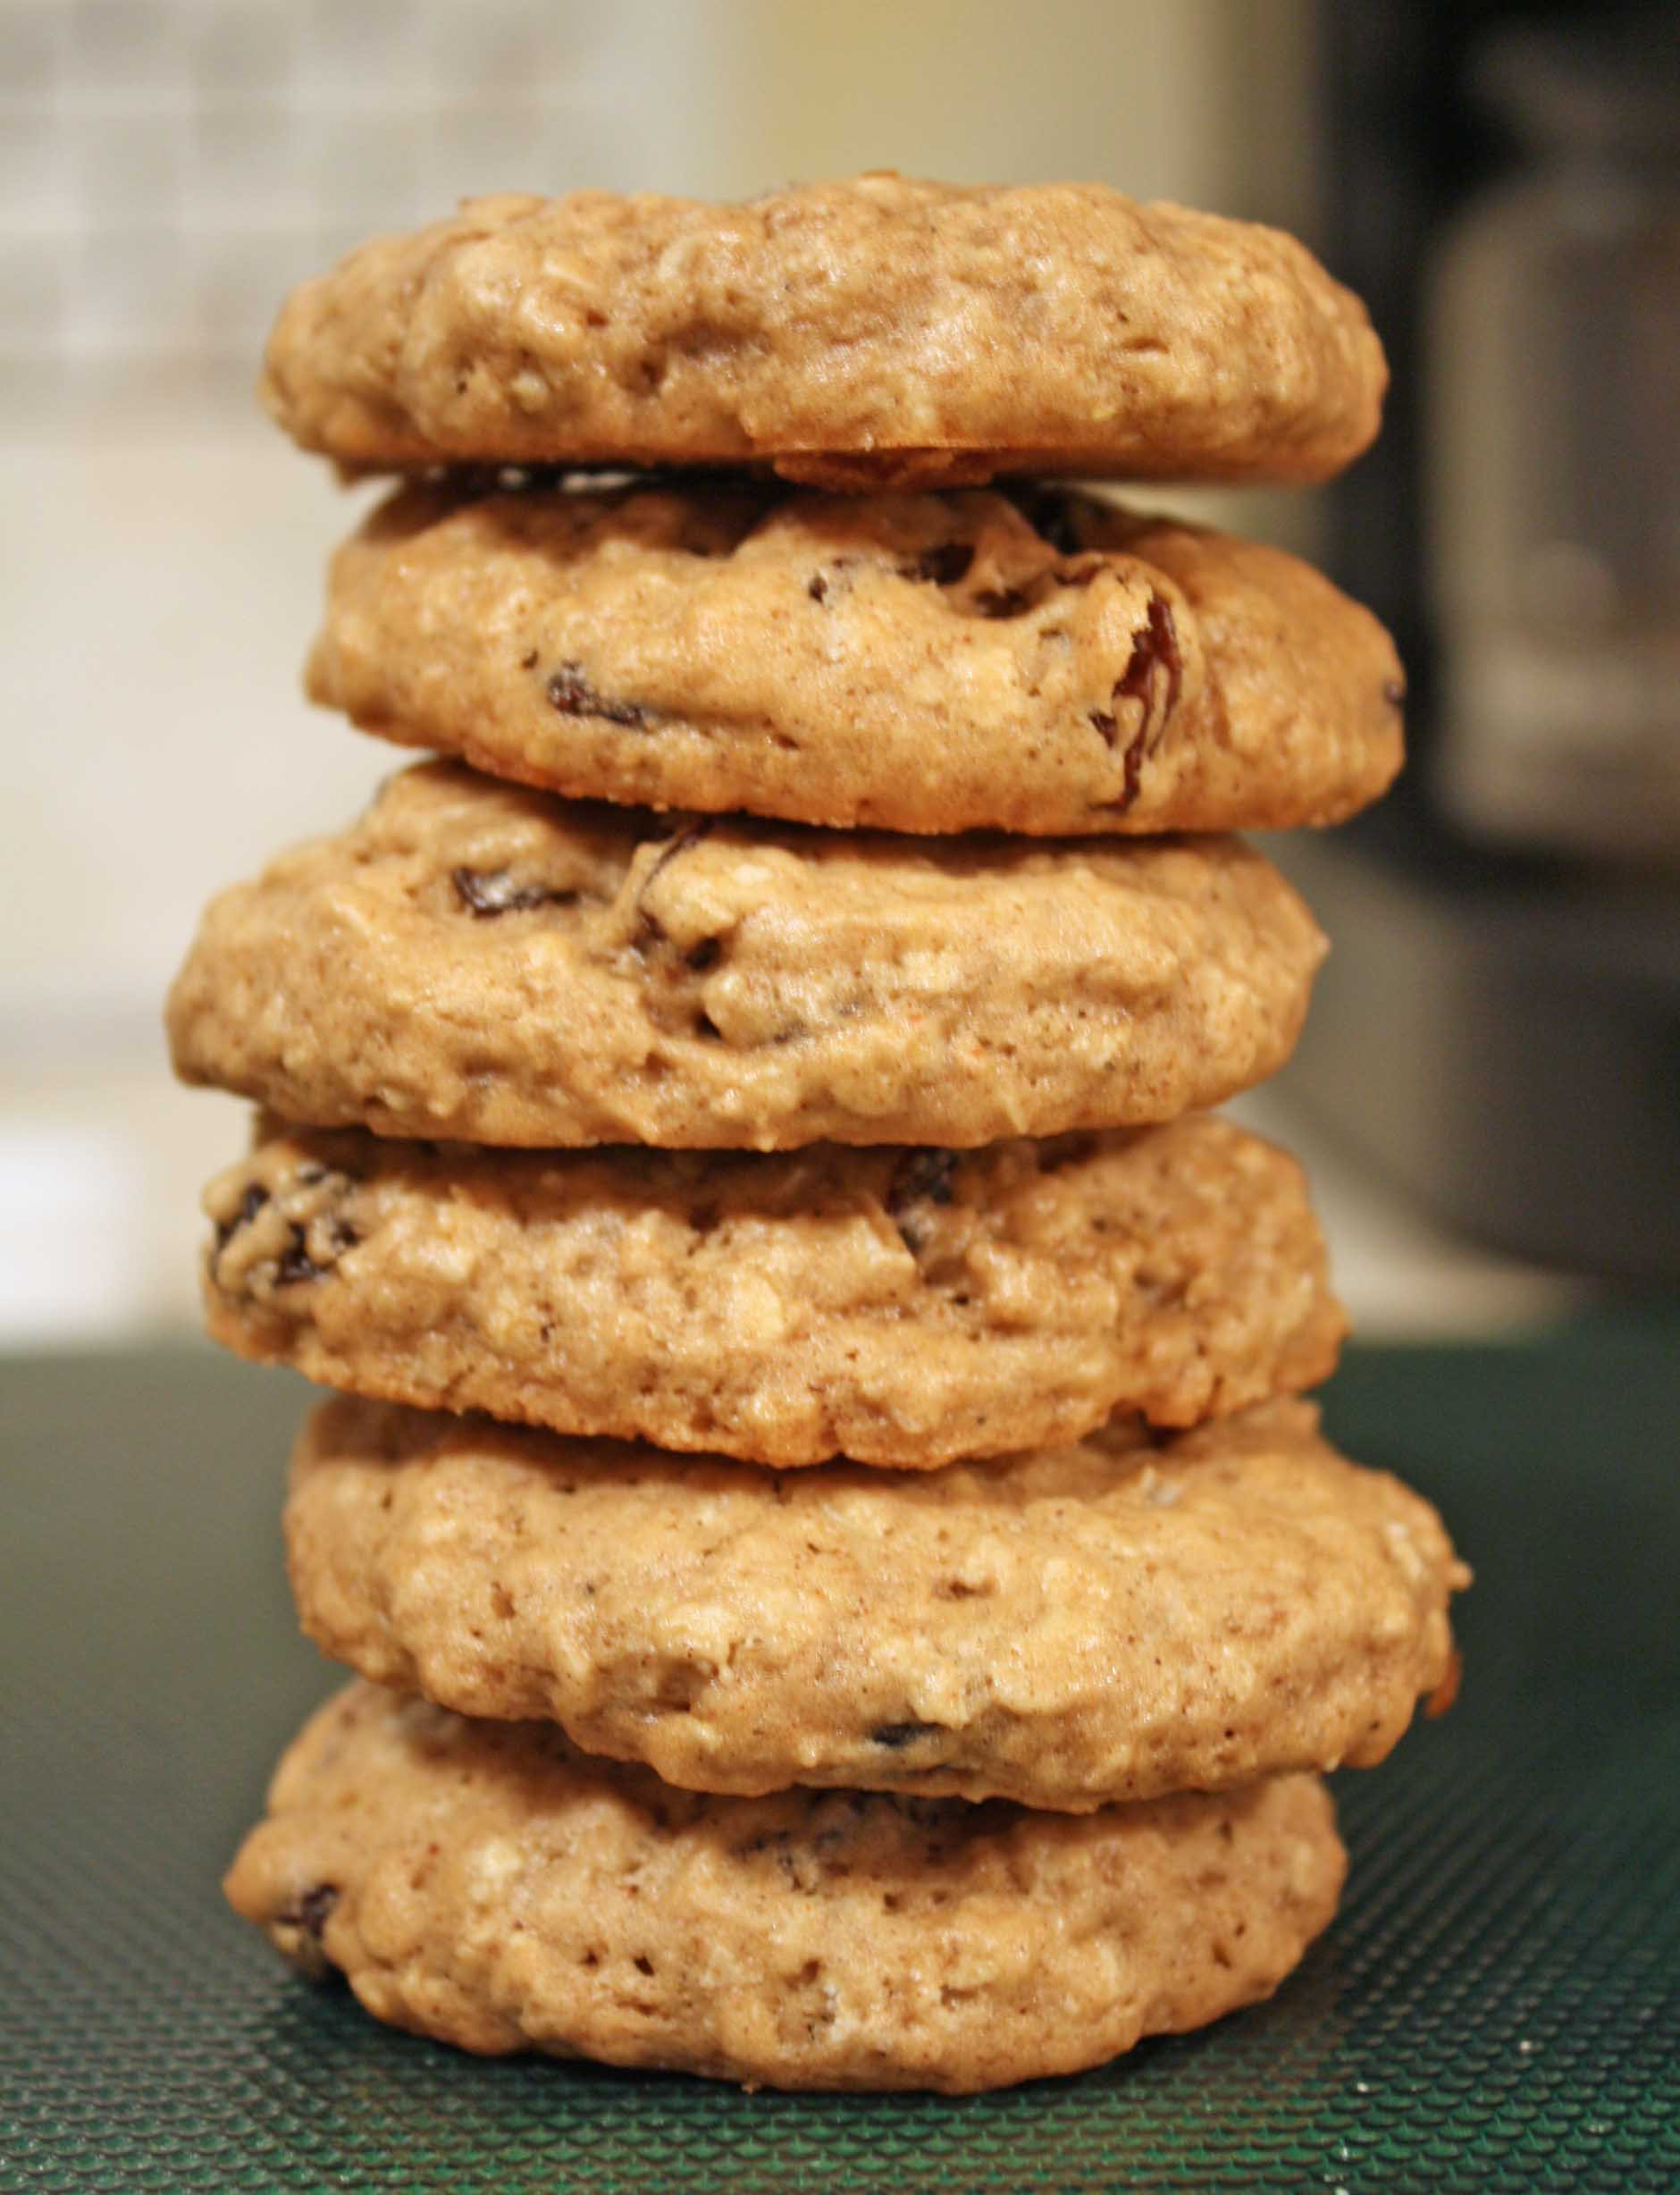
(865, 333)
(896, 1307)
(1036, 662)
(479, 961)
(491, 1887)
(1068, 1628)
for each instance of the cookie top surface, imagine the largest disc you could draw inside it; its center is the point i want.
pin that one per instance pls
(1033, 661)
(476, 961)
(873, 333)
(899, 1307)
(490, 1885)
(1066, 1627)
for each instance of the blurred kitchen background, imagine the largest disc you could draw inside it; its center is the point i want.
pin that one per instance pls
(1489, 1095)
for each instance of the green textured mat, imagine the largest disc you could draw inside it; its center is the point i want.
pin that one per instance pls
(1498, 2008)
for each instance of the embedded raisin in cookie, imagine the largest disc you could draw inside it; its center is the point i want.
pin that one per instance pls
(492, 1886)
(1036, 662)
(1067, 1627)
(865, 333)
(472, 960)
(900, 1308)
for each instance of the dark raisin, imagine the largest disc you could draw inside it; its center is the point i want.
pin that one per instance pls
(250, 1203)
(921, 1177)
(1394, 692)
(296, 1263)
(1154, 657)
(923, 1174)
(1152, 677)
(310, 1912)
(572, 694)
(768, 1840)
(486, 892)
(706, 954)
(818, 588)
(945, 566)
(895, 1735)
(686, 835)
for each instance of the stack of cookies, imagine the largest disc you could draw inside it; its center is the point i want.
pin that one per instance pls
(843, 1588)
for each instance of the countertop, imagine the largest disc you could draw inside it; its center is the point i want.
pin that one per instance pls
(1496, 2008)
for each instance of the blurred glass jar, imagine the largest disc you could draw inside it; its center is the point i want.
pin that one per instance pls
(1553, 454)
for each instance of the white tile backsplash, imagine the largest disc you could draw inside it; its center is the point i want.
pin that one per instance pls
(131, 173)
(131, 49)
(37, 175)
(240, 51)
(252, 168)
(34, 295)
(127, 124)
(34, 40)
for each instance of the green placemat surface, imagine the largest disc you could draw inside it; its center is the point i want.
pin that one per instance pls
(1497, 2008)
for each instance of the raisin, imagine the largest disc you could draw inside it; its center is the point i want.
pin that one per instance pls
(944, 566)
(895, 1735)
(818, 587)
(296, 1263)
(686, 835)
(486, 892)
(572, 694)
(768, 1840)
(1152, 677)
(923, 1174)
(921, 1177)
(250, 1203)
(310, 1912)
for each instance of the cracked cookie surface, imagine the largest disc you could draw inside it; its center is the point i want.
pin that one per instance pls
(869, 332)
(482, 963)
(1036, 661)
(494, 1887)
(897, 1306)
(1068, 1628)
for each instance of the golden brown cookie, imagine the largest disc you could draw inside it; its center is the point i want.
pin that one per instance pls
(1068, 1628)
(864, 333)
(900, 1308)
(491, 1887)
(1035, 661)
(476, 961)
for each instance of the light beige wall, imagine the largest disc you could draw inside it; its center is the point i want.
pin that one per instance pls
(1202, 100)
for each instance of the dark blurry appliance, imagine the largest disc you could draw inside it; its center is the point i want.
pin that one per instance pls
(1552, 456)
(1501, 186)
